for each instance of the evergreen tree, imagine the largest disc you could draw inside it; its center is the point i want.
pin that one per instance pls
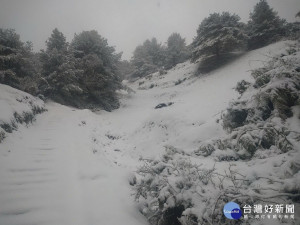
(99, 64)
(56, 52)
(16, 61)
(176, 51)
(61, 76)
(57, 40)
(148, 58)
(83, 74)
(292, 30)
(90, 42)
(126, 69)
(218, 34)
(265, 26)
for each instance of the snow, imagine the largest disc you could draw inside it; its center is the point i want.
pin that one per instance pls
(13, 100)
(73, 166)
(50, 175)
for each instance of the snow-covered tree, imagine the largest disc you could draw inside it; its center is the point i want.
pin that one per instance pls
(90, 42)
(60, 75)
(218, 34)
(57, 40)
(17, 66)
(148, 58)
(176, 51)
(99, 64)
(9, 39)
(55, 54)
(265, 26)
(126, 69)
(82, 74)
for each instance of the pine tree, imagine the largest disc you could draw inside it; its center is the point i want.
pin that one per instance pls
(148, 58)
(60, 74)
(126, 69)
(99, 64)
(83, 74)
(56, 52)
(57, 40)
(176, 51)
(217, 35)
(17, 67)
(292, 30)
(265, 26)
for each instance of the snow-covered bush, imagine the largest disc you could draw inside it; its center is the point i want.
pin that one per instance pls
(242, 86)
(256, 120)
(178, 189)
(24, 117)
(165, 187)
(2, 135)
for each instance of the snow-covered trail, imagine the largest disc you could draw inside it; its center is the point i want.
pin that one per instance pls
(50, 175)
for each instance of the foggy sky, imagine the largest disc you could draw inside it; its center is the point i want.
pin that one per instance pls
(125, 23)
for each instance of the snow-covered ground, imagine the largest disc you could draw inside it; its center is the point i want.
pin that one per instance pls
(73, 166)
(17, 107)
(50, 174)
(13, 100)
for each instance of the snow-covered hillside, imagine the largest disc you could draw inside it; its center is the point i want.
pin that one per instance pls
(74, 166)
(17, 107)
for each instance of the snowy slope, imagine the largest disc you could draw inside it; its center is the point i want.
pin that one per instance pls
(17, 107)
(198, 103)
(73, 166)
(50, 175)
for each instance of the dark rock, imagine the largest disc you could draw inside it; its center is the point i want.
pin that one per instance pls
(152, 86)
(162, 105)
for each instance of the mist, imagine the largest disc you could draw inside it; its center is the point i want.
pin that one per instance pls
(125, 24)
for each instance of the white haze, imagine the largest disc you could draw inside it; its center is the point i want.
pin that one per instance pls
(125, 23)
